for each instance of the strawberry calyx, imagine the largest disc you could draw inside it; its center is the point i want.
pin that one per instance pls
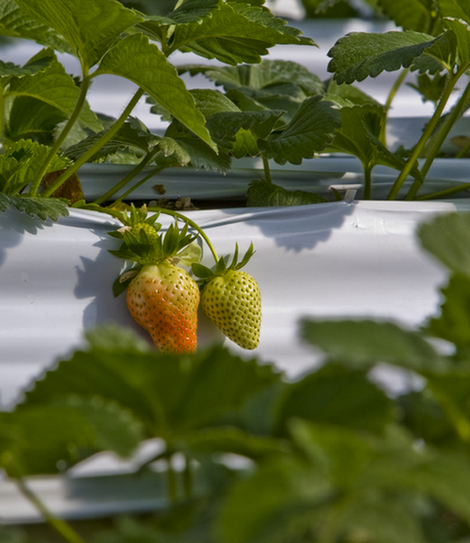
(145, 247)
(205, 274)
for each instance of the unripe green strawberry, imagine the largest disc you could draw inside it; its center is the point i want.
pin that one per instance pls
(232, 301)
(163, 299)
(149, 229)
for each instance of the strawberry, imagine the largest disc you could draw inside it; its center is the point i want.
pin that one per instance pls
(161, 296)
(163, 299)
(231, 299)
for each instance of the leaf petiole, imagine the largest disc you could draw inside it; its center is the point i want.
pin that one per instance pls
(128, 178)
(449, 123)
(427, 132)
(60, 140)
(97, 146)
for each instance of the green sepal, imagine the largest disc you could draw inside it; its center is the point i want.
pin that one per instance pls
(205, 274)
(201, 271)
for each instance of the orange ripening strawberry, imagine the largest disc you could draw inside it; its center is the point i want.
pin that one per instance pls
(163, 299)
(161, 296)
(231, 299)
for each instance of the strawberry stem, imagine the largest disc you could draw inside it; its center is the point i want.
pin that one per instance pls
(191, 223)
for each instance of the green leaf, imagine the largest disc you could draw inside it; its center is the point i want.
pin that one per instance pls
(311, 129)
(232, 32)
(30, 118)
(132, 135)
(430, 87)
(89, 27)
(8, 69)
(418, 15)
(361, 128)
(143, 63)
(425, 418)
(227, 439)
(190, 255)
(44, 208)
(335, 395)
(210, 101)
(278, 502)
(19, 164)
(184, 150)
(362, 344)
(462, 33)
(66, 431)
(453, 324)
(225, 126)
(264, 193)
(451, 391)
(16, 23)
(268, 75)
(354, 95)
(55, 87)
(455, 9)
(359, 55)
(170, 395)
(447, 237)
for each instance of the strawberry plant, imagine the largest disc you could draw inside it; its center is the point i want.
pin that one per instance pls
(336, 117)
(334, 455)
(107, 38)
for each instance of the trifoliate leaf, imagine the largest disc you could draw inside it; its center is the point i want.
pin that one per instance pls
(263, 193)
(359, 55)
(311, 129)
(169, 394)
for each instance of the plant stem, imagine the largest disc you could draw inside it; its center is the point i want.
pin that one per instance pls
(171, 478)
(60, 140)
(188, 479)
(2, 112)
(367, 181)
(59, 525)
(128, 178)
(437, 144)
(267, 170)
(429, 129)
(97, 146)
(390, 97)
(445, 193)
